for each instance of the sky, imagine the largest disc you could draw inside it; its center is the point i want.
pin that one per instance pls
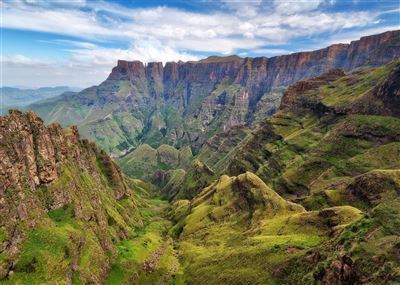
(77, 42)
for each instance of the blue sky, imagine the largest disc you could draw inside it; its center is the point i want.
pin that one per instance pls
(77, 42)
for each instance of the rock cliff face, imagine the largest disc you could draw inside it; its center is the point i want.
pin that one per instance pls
(63, 202)
(261, 74)
(31, 153)
(185, 103)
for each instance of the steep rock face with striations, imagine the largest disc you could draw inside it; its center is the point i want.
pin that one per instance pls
(31, 153)
(63, 204)
(186, 103)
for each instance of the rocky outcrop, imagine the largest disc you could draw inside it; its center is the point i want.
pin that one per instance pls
(296, 99)
(340, 272)
(375, 186)
(58, 192)
(384, 99)
(32, 152)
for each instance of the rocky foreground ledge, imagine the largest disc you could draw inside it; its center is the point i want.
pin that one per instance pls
(62, 201)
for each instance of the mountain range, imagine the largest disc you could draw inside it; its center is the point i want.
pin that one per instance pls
(185, 103)
(19, 97)
(227, 170)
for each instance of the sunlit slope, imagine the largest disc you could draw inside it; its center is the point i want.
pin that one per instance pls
(240, 231)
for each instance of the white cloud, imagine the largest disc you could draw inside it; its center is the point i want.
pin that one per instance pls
(214, 32)
(298, 6)
(146, 51)
(243, 8)
(21, 70)
(60, 21)
(290, 7)
(20, 59)
(167, 34)
(78, 44)
(88, 64)
(271, 51)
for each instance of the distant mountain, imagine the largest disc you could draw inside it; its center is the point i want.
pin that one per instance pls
(18, 97)
(186, 103)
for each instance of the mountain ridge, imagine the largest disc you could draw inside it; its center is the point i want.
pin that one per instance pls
(335, 162)
(347, 56)
(185, 103)
(352, 46)
(14, 97)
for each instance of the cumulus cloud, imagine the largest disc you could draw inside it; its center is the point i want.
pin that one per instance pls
(168, 34)
(298, 6)
(146, 51)
(24, 71)
(216, 31)
(87, 65)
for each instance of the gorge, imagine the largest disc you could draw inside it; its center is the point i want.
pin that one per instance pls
(226, 170)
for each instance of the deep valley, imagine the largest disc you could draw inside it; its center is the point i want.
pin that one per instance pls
(226, 170)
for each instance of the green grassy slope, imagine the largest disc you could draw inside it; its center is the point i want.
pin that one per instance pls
(148, 257)
(324, 150)
(66, 243)
(305, 152)
(152, 164)
(239, 231)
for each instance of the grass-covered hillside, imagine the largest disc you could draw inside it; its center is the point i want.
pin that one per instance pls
(329, 130)
(240, 231)
(333, 149)
(155, 165)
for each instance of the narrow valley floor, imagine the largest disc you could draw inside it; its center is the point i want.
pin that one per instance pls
(150, 257)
